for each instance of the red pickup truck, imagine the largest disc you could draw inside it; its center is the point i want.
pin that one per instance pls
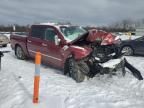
(79, 52)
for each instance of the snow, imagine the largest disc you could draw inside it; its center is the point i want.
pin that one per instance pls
(59, 91)
(127, 37)
(111, 63)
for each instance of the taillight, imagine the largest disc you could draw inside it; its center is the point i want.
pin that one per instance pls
(108, 41)
(117, 41)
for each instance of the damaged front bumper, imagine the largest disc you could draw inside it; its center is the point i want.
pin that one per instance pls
(120, 64)
(113, 63)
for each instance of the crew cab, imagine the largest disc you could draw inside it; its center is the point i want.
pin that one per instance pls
(80, 53)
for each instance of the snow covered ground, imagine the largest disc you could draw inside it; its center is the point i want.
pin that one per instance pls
(59, 91)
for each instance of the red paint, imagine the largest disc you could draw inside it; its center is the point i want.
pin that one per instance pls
(61, 52)
(105, 37)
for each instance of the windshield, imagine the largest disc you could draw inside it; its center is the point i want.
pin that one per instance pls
(72, 32)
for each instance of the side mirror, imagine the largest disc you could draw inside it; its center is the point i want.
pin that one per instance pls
(57, 40)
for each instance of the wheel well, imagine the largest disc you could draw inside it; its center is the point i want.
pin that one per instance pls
(66, 60)
(16, 47)
(127, 46)
(24, 55)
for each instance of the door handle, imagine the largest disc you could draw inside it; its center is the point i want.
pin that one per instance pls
(29, 41)
(43, 44)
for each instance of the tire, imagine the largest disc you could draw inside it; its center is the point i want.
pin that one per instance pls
(84, 68)
(73, 70)
(128, 50)
(19, 53)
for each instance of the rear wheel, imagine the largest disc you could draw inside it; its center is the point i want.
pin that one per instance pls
(127, 50)
(20, 53)
(73, 70)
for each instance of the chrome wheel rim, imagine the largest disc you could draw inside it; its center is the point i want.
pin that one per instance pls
(127, 51)
(19, 52)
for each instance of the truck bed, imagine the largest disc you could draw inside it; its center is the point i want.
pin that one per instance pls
(20, 40)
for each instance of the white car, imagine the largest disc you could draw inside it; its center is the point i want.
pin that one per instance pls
(4, 40)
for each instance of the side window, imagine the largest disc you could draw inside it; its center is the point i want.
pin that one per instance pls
(140, 39)
(50, 34)
(38, 32)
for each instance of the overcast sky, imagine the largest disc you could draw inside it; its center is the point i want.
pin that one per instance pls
(84, 12)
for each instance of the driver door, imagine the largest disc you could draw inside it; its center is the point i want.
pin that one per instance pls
(51, 52)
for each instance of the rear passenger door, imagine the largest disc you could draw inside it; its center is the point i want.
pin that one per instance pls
(51, 52)
(35, 40)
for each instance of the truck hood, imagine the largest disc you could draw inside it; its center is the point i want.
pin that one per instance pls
(99, 36)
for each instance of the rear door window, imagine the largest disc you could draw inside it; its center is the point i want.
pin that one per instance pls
(38, 32)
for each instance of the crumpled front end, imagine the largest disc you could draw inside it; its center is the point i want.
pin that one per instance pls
(99, 53)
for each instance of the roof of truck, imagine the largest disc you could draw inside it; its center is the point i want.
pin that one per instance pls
(54, 24)
(57, 25)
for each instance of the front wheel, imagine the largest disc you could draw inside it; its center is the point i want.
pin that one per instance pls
(73, 70)
(19, 53)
